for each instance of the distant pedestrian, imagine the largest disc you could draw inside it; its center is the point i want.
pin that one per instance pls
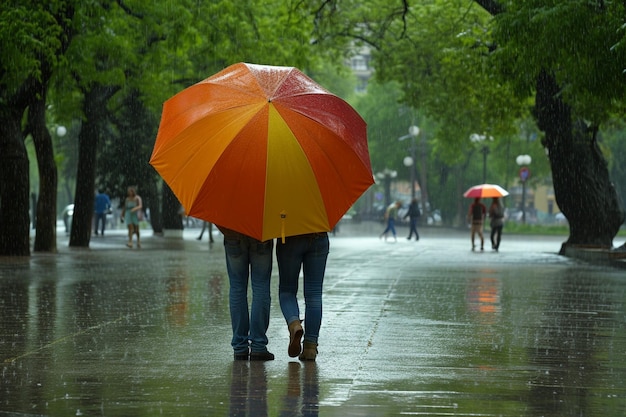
(390, 217)
(131, 213)
(496, 216)
(204, 227)
(307, 253)
(249, 260)
(476, 217)
(102, 206)
(413, 214)
(68, 213)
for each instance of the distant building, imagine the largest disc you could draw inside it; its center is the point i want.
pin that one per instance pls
(360, 65)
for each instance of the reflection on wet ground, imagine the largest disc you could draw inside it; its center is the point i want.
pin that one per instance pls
(410, 328)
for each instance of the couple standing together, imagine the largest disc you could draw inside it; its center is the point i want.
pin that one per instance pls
(248, 258)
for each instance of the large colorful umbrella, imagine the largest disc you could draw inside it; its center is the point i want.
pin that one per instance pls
(263, 150)
(485, 191)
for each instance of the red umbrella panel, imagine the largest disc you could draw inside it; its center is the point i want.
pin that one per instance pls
(485, 191)
(263, 150)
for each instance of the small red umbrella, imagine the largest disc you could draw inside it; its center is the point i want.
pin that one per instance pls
(485, 191)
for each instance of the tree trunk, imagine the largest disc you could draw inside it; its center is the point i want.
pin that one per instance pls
(582, 187)
(45, 237)
(172, 218)
(14, 186)
(80, 232)
(95, 111)
(154, 206)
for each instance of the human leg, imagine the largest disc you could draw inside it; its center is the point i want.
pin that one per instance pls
(414, 228)
(473, 235)
(237, 265)
(498, 236)
(289, 258)
(137, 233)
(260, 256)
(131, 231)
(387, 229)
(314, 267)
(392, 227)
(98, 216)
(202, 231)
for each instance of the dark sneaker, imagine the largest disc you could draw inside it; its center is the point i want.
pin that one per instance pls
(241, 356)
(261, 356)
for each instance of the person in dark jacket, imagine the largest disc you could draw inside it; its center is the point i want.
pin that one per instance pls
(413, 214)
(496, 216)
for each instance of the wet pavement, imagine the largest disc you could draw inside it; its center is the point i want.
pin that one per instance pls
(410, 328)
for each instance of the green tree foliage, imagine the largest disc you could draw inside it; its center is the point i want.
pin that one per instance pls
(436, 52)
(33, 36)
(480, 66)
(583, 41)
(575, 68)
(108, 56)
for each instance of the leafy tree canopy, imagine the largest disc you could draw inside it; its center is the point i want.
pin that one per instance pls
(583, 42)
(29, 32)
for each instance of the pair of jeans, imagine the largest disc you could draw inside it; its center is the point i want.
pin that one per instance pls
(496, 236)
(307, 253)
(391, 227)
(100, 218)
(247, 258)
(413, 228)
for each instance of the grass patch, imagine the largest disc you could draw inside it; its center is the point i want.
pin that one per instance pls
(538, 229)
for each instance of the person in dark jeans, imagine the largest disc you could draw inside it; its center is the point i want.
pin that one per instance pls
(309, 253)
(102, 205)
(496, 217)
(248, 258)
(413, 214)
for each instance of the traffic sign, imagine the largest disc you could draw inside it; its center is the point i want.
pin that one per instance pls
(524, 173)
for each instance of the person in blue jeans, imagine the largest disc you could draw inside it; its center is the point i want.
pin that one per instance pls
(248, 259)
(102, 205)
(390, 216)
(309, 253)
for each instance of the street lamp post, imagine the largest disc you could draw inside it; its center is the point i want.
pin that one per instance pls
(479, 139)
(524, 174)
(410, 161)
(386, 175)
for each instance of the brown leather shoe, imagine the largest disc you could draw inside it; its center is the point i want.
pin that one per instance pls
(295, 335)
(309, 352)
